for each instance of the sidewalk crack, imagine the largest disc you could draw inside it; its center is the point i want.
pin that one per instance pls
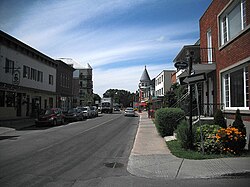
(179, 168)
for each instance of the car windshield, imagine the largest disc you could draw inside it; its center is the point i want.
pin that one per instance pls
(130, 109)
(48, 112)
(71, 110)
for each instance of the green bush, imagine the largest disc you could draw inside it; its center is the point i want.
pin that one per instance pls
(219, 119)
(210, 144)
(238, 123)
(183, 134)
(167, 119)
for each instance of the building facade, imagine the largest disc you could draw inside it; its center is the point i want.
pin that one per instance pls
(146, 89)
(225, 28)
(163, 82)
(82, 84)
(27, 79)
(64, 86)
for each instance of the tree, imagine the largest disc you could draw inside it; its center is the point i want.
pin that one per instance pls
(96, 97)
(238, 123)
(219, 119)
(123, 97)
(169, 99)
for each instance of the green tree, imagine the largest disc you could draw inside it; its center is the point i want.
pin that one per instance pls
(123, 97)
(238, 122)
(219, 119)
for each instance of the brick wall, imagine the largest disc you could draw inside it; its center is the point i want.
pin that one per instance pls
(232, 53)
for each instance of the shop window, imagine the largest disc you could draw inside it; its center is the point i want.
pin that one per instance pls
(10, 99)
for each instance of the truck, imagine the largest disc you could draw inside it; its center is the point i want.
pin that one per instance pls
(107, 105)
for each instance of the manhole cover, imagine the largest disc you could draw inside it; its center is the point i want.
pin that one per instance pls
(114, 165)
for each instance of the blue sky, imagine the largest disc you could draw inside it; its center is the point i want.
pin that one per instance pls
(116, 37)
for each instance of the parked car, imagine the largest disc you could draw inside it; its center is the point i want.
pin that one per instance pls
(53, 116)
(86, 111)
(116, 108)
(74, 114)
(94, 111)
(129, 112)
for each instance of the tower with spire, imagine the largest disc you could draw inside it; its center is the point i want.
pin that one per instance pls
(144, 88)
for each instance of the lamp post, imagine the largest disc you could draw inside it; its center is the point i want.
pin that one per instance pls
(190, 55)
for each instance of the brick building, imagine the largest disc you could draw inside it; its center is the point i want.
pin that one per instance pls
(224, 31)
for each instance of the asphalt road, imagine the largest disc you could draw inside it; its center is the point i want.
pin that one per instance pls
(89, 153)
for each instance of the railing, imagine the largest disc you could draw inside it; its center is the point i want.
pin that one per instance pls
(210, 108)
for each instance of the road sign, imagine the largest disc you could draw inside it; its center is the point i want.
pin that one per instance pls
(181, 65)
(195, 78)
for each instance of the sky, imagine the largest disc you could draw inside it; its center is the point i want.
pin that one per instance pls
(118, 38)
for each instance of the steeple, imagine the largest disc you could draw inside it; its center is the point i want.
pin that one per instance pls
(145, 77)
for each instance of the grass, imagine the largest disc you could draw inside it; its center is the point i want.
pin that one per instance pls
(176, 149)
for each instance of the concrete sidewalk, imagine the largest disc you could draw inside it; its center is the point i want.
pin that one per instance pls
(151, 158)
(15, 124)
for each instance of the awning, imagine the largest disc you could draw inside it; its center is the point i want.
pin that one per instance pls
(203, 68)
(143, 104)
(199, 68)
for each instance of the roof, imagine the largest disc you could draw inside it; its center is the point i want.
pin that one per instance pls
(70, 61)
(88, 66)
(145, 76)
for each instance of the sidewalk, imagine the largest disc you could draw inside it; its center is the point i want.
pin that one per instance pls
(151, 158)
(8, 125)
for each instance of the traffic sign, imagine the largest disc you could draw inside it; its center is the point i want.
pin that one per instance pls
(181, 65)
(195, 78)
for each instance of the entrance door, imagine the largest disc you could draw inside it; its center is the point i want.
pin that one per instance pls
(211, 96)
(19, 104)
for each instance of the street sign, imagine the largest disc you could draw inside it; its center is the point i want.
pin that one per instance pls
(195, 78)
(181, 65)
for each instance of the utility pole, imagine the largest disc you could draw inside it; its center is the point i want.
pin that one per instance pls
(191, 53)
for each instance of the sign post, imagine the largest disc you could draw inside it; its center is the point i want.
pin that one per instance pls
(192, 79)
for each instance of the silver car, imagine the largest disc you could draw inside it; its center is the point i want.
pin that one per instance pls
(86, 111)
(129, 112)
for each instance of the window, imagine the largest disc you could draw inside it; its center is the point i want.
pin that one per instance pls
(10, 99)
(9, 66)
(232, 21)
(236, 92)
(25, 74)
(40, 76)
(209, 47)
(51, 79)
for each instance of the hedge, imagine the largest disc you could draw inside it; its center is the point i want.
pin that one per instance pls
(167, 119)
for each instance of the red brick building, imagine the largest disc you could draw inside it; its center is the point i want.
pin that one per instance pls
(224, 33)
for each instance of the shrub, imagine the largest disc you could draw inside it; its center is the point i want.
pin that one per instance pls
(167, 119)
(219, 119)
(209, 138)
(183, 134)
(238, 123)
(230, 139)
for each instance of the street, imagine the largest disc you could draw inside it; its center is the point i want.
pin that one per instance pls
(93, 152)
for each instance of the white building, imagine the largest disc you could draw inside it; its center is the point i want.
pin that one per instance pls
(163, 82)
(27, 79)
(82, 83)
